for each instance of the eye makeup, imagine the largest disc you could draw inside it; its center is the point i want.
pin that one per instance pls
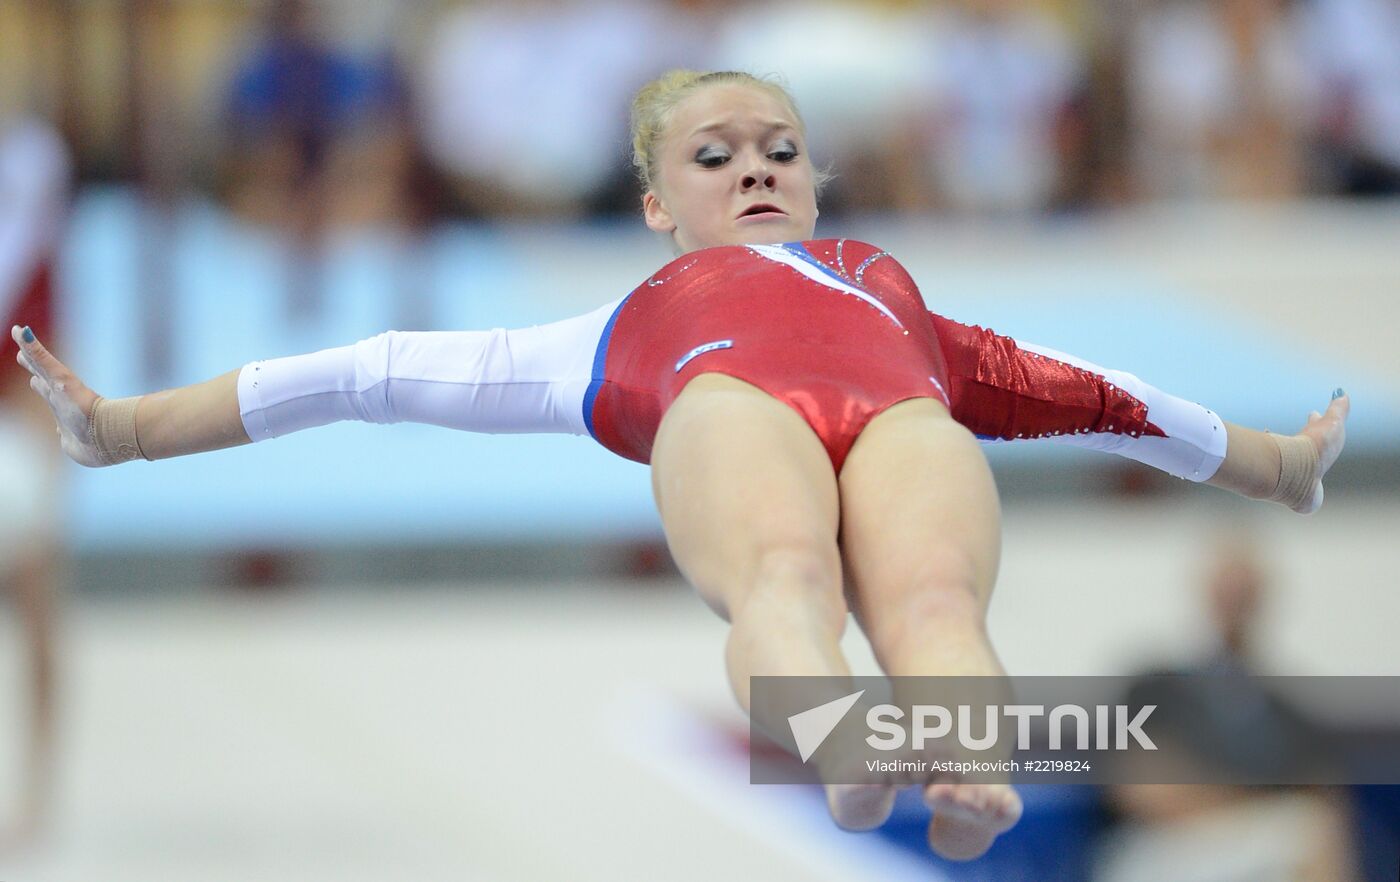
(710, 156)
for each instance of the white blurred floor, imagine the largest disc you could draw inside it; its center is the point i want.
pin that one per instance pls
(549, 733)
(427, 736)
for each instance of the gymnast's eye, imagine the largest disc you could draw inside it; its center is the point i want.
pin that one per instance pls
(785, 151)
(710, 157)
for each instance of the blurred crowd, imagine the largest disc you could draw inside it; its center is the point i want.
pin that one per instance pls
(304, 112)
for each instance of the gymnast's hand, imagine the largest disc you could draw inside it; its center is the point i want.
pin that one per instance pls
(1328, 432)
(70, 399)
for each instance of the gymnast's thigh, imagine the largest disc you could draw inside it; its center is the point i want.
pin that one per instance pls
(920, 519)
(742, 482)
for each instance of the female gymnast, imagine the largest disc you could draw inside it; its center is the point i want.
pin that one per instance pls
(802, 412)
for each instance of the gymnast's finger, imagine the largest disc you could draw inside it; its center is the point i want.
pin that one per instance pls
(44, 391)
(39, 360)
(29, 349)
(27, 363)
(1341, 404)
(18, 335)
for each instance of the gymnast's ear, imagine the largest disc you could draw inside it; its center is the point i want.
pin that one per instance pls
(657, 216)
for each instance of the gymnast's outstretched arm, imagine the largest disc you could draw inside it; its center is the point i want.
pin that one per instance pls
(1006, 390)
(526, 380)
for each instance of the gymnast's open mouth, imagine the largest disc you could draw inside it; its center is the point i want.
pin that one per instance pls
(762, 211)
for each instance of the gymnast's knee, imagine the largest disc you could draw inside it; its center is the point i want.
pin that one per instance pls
(794, 577)
(940, 593)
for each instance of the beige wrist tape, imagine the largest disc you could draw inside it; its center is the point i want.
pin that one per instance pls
(112, 430)
(1298, 470)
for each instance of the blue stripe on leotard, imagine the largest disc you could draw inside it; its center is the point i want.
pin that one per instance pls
(797, 249)
(600, 359)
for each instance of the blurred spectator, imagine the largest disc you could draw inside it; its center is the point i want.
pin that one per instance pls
(525, 104)
(320, 134)
(34, 181)
(1353, 52)
(1215, 99)
(1002, 125)
(853, 70)
(1216, 721)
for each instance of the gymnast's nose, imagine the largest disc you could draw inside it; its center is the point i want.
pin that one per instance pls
(758, 175)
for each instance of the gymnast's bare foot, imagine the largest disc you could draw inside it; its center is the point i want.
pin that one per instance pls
(860, 807)
(1328, 431)
(967, 818)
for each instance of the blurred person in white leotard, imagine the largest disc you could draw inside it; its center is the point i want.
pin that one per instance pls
(33, 198)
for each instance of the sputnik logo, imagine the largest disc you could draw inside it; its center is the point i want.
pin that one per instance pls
(811, 727)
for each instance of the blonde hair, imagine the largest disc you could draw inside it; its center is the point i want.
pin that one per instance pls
(652, 108)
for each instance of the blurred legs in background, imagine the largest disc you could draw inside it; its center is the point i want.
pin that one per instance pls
(34, 192)
(30, 570)
(31, 583)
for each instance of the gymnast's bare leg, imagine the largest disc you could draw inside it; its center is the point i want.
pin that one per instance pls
(752, 511)
(750, 506)
(921, 535)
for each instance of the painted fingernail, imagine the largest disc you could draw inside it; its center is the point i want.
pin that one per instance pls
(1335, 395)
(27, 334)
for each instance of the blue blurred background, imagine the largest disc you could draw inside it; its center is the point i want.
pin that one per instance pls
(1203, 192)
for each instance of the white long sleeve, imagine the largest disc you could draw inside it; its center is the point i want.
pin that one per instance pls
(1194, 446)
(502, 381)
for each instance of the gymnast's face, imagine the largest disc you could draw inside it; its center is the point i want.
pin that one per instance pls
(732, 169)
